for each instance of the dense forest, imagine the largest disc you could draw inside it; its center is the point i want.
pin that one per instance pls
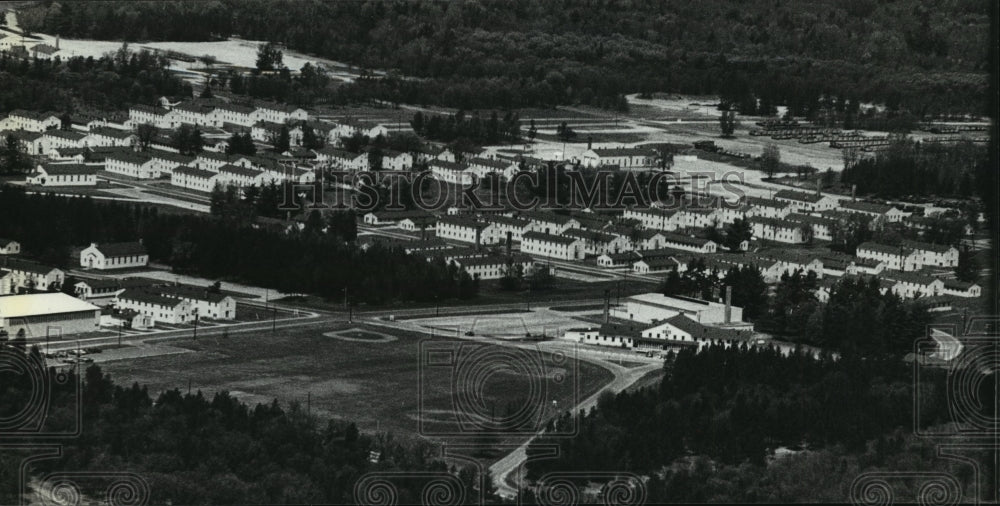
(927, 57)
(857, 318)
(185, 448)
(316, 260)
(708, 432)
(85, 85)
(908, 168)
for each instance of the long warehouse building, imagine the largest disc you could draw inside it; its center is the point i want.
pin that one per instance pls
(36, 315)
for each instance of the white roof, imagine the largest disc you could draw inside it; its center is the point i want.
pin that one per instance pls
(681, 304)
(37, 304)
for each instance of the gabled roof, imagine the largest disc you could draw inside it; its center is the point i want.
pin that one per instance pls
(762, 202)
(543, 237)
(506, 220)
(38, 116)
(698, 330)
(446, 165)
(885, 248)
(67, 169)
(25, 135)
(657, 211)
(462, 221)
(121, 249)
(683, 239)
(774, 222)
(637, 151)
(867, 207)
(401, 214)
(195, 107)
(910, 277)
(185, 170)
(65, 134)
(129, 156)
(547, 217)
(342, 154)
(158, 111)
(190, 292)
(237, 108)
(660, 262)
(140, 295)
(492, 260)
(111, 132)
(954, 284)
(624, 329)
(274, 106)
(18, 264)
(170, 156)
(812, 220)
(926, 246)
(103, 284)
(797, 196)
(493, 164)
(214, 155)
(590, 235)
(238, 170)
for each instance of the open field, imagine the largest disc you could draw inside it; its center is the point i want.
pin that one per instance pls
(375, 383)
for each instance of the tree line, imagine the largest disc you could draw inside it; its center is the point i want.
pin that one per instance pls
(79, 84)
(857, 318)
(473, 127)
(909, 168)
(713, 423)
(194, 449)
(496, 54)
(316, 260)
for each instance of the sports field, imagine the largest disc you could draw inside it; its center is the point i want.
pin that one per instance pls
(385, 380)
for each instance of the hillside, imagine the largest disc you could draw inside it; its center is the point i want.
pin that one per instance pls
(928, 57)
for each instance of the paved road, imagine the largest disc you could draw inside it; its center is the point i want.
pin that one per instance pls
(504, 470)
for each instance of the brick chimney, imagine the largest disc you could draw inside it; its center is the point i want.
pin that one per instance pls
(509, 242)
(854, 193)
(819, 185)
(479, 237)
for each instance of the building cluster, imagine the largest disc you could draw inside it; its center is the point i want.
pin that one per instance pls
(653, 322)
(657, 240)
(36, 302)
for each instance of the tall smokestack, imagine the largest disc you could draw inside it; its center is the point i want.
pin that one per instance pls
(819, 185)
(729, 304)
(423, 231)
(509, 242)
(854, 193)
(607, 306)
(479, 237)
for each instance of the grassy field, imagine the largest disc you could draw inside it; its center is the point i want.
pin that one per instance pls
(376, 384)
